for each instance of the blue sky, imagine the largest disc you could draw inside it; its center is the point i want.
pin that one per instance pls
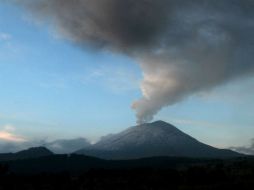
(52, 89)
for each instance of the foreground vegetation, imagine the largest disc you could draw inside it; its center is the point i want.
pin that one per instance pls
(235, 174)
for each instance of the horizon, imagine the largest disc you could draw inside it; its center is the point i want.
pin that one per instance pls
(60, 146)
(57, 87)
(48, 148)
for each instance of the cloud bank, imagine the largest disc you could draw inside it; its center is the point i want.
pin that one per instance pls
(245, 149)
(8, 134)
(62, 146)
(183, 46)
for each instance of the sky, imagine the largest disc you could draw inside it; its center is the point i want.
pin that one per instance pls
(51, 89)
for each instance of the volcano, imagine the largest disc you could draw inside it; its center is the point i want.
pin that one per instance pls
(152, 140)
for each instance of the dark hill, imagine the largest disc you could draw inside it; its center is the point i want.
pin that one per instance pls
(34, 152)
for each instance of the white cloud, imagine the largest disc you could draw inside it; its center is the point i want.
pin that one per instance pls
(8, 134)
(9, 128)
(245, 149)
(117, 79)
(54, 80)
(5, 36)
(197, 123)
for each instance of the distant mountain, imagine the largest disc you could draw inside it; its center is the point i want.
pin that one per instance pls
(34, 152)
(153, 139)
(65, 146)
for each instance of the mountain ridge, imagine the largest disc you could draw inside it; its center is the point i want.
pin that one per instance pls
(33, 152)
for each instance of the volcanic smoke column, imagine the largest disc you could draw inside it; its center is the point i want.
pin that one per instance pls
(182, 46)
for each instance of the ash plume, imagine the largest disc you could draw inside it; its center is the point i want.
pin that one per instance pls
(182, 46)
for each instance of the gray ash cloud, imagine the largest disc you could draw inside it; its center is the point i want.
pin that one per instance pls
(183, 46)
